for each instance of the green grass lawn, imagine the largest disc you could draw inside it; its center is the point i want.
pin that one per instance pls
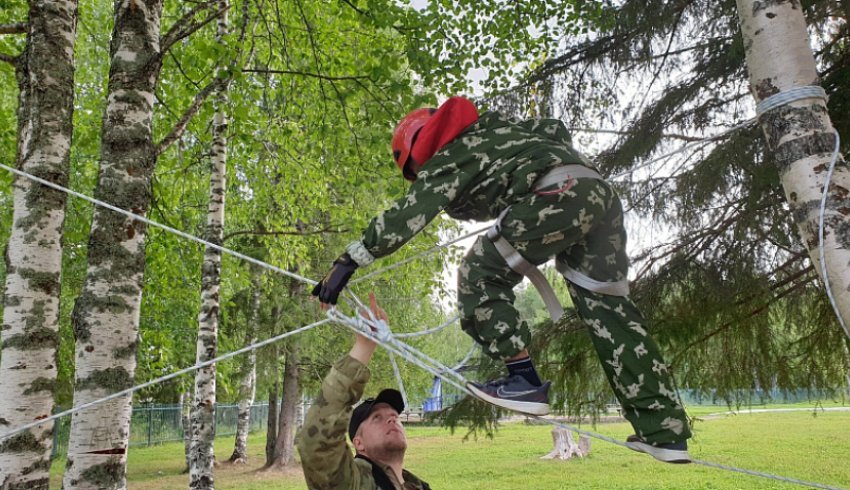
(807, 445)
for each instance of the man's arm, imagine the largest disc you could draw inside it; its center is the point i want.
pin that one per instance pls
(325, 456)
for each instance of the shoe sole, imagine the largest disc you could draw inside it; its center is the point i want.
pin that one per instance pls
(674, 456)
(531, 408)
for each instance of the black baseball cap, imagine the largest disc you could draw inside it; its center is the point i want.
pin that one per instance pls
(361, 412)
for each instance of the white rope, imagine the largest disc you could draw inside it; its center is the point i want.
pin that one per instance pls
(131, 390)
(167, 228)
(822, 252)
(392, 344)
(467, 358)
(790, 95)
(420, 333)
(764, 475)
(399, 380)
(685, 147)
(786, 97)
(694, 461)
(418, 256)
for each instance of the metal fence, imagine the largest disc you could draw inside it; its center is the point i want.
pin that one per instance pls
(155, 424)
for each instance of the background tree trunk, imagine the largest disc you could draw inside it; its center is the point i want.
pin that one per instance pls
(284, 448)
(248, 385)
(45, 73)
(565, 446)
(186, 422)
(202, 455)
(801, 134)
(106, 314)
(271, 427)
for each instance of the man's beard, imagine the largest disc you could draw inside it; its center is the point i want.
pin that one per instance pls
(390, 451)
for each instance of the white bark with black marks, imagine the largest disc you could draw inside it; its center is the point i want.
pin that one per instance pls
(33, 258)
(106, 314)
(201, 453)
(801, 134)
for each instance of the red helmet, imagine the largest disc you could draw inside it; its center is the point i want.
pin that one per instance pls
(403, 137)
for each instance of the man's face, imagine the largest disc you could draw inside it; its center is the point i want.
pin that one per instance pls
(381, 433)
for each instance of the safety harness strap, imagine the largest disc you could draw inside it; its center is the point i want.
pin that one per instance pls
(518, 263)
(615, 288)
(564, 173)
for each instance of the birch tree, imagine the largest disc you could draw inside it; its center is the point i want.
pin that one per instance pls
(106, 314)
(801, 135)
(201, 454)
(45, 74)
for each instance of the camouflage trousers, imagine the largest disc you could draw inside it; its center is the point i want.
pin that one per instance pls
(582, 228)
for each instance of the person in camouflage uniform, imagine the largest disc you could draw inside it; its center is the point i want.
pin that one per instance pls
(488, 167)
(373, 427)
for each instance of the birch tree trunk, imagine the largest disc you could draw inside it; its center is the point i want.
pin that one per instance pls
(284, 448)
(248, 385)
(30, 329)
(801, 134)
(202, 455)
(106, 314)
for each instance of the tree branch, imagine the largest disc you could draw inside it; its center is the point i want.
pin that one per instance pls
(328, 229)
(306, 74)
(17, 28)
(179, 128)
(726, 326)
(188, 25)
(8, 58)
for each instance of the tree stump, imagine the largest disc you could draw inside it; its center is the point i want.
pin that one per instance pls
(565, 445)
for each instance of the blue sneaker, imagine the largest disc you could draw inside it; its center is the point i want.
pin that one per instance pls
(514, 393)
(672, 452)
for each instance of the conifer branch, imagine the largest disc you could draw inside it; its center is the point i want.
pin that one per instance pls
(760, 308)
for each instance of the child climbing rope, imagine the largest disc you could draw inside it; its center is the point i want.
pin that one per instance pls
(549, 201)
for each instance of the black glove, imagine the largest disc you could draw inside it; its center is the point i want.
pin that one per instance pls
(335, 280)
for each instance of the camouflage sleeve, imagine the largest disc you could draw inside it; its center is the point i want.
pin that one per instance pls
(325, 456)
(429, 194)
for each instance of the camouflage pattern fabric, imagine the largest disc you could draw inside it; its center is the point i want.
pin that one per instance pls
(633, 365)
(328, 461)
(484, 170)
(583, 228)
(493, 166)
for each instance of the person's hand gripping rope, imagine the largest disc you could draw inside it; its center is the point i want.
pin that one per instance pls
(332, 284)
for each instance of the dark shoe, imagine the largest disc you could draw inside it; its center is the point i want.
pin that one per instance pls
(514, 393)
(672, 452)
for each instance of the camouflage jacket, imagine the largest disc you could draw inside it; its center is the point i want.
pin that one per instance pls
(481, 172)
(328, 462)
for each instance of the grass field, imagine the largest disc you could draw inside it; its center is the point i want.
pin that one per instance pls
(806, 445)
